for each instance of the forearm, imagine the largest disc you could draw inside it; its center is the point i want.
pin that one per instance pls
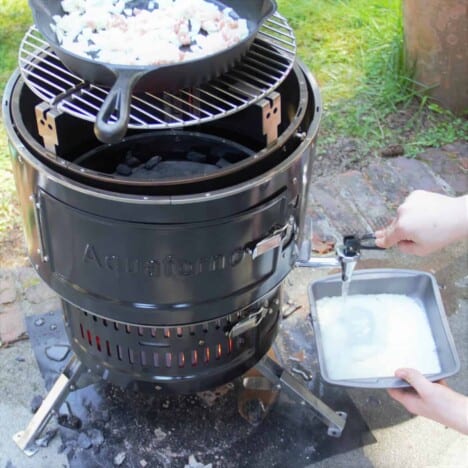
(453, 412)
(460, 228)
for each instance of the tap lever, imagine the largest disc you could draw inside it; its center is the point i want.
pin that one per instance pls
(368, 242)
(353, 244)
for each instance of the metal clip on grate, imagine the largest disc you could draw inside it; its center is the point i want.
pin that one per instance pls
(265, 66)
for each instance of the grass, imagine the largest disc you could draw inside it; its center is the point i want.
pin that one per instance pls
(15, 18)
(355, 50)
(353, 47)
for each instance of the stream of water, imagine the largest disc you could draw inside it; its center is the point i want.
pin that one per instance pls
(345, 291)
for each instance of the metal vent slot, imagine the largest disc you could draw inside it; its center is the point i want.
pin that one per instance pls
(90, 337)
(155, 359)
(206, 355)
(219, 351)
(108, 348)
(168, 359)
(194, 358)
(264, 67)
(181, 359)
(119, 353)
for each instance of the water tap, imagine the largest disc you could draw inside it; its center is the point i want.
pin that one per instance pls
(346, 255)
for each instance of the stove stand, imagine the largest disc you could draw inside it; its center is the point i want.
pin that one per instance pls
(76, 375)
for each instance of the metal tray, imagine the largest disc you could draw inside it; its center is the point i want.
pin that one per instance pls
(415, 284)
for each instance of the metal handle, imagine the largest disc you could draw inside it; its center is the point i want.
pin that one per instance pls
(252, 321)
(272, 241)
(116, 103)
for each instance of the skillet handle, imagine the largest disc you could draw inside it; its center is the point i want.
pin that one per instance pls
(117, 102)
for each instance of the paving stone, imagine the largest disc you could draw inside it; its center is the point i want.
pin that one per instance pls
(415, 175)
(450, 166)
(27, 277)
(320, 224)
(39, 293)
(385, 180)
(7, 287)
(48, 305)
(367, 201)
(341, 214)
(12, 324)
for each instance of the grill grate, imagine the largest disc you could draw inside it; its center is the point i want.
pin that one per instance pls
(262, 70)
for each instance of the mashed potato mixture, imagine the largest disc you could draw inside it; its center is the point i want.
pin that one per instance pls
(371, 336)
(168, 31)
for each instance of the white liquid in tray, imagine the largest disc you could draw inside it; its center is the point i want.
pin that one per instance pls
(375, 334)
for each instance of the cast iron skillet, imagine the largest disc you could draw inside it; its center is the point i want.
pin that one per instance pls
(124, 79)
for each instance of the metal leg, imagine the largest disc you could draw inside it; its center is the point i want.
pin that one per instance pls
(282, 379)
(52, 402)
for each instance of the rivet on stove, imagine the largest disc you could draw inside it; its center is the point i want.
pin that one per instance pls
(201, 343)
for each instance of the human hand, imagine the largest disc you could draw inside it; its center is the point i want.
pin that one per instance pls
(435, 401)
(426, 222)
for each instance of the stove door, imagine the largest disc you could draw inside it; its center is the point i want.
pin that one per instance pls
(152, 273)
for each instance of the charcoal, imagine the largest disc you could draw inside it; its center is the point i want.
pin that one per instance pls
(153, 162)
(44, 441)
(69, 421)
(96, 436)
(255, 411)
(223, 163)
(39, 322)
(119, 458)
(123, 169)
(84, 441)
(131, 160)
(36, 402)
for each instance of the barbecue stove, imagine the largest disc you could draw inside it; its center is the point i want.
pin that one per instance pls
(170, 247)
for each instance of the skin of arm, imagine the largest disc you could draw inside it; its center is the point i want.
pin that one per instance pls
(426, 222)
(435, 401)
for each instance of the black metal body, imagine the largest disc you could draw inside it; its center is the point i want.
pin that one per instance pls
(163, 273)
(112, 120)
